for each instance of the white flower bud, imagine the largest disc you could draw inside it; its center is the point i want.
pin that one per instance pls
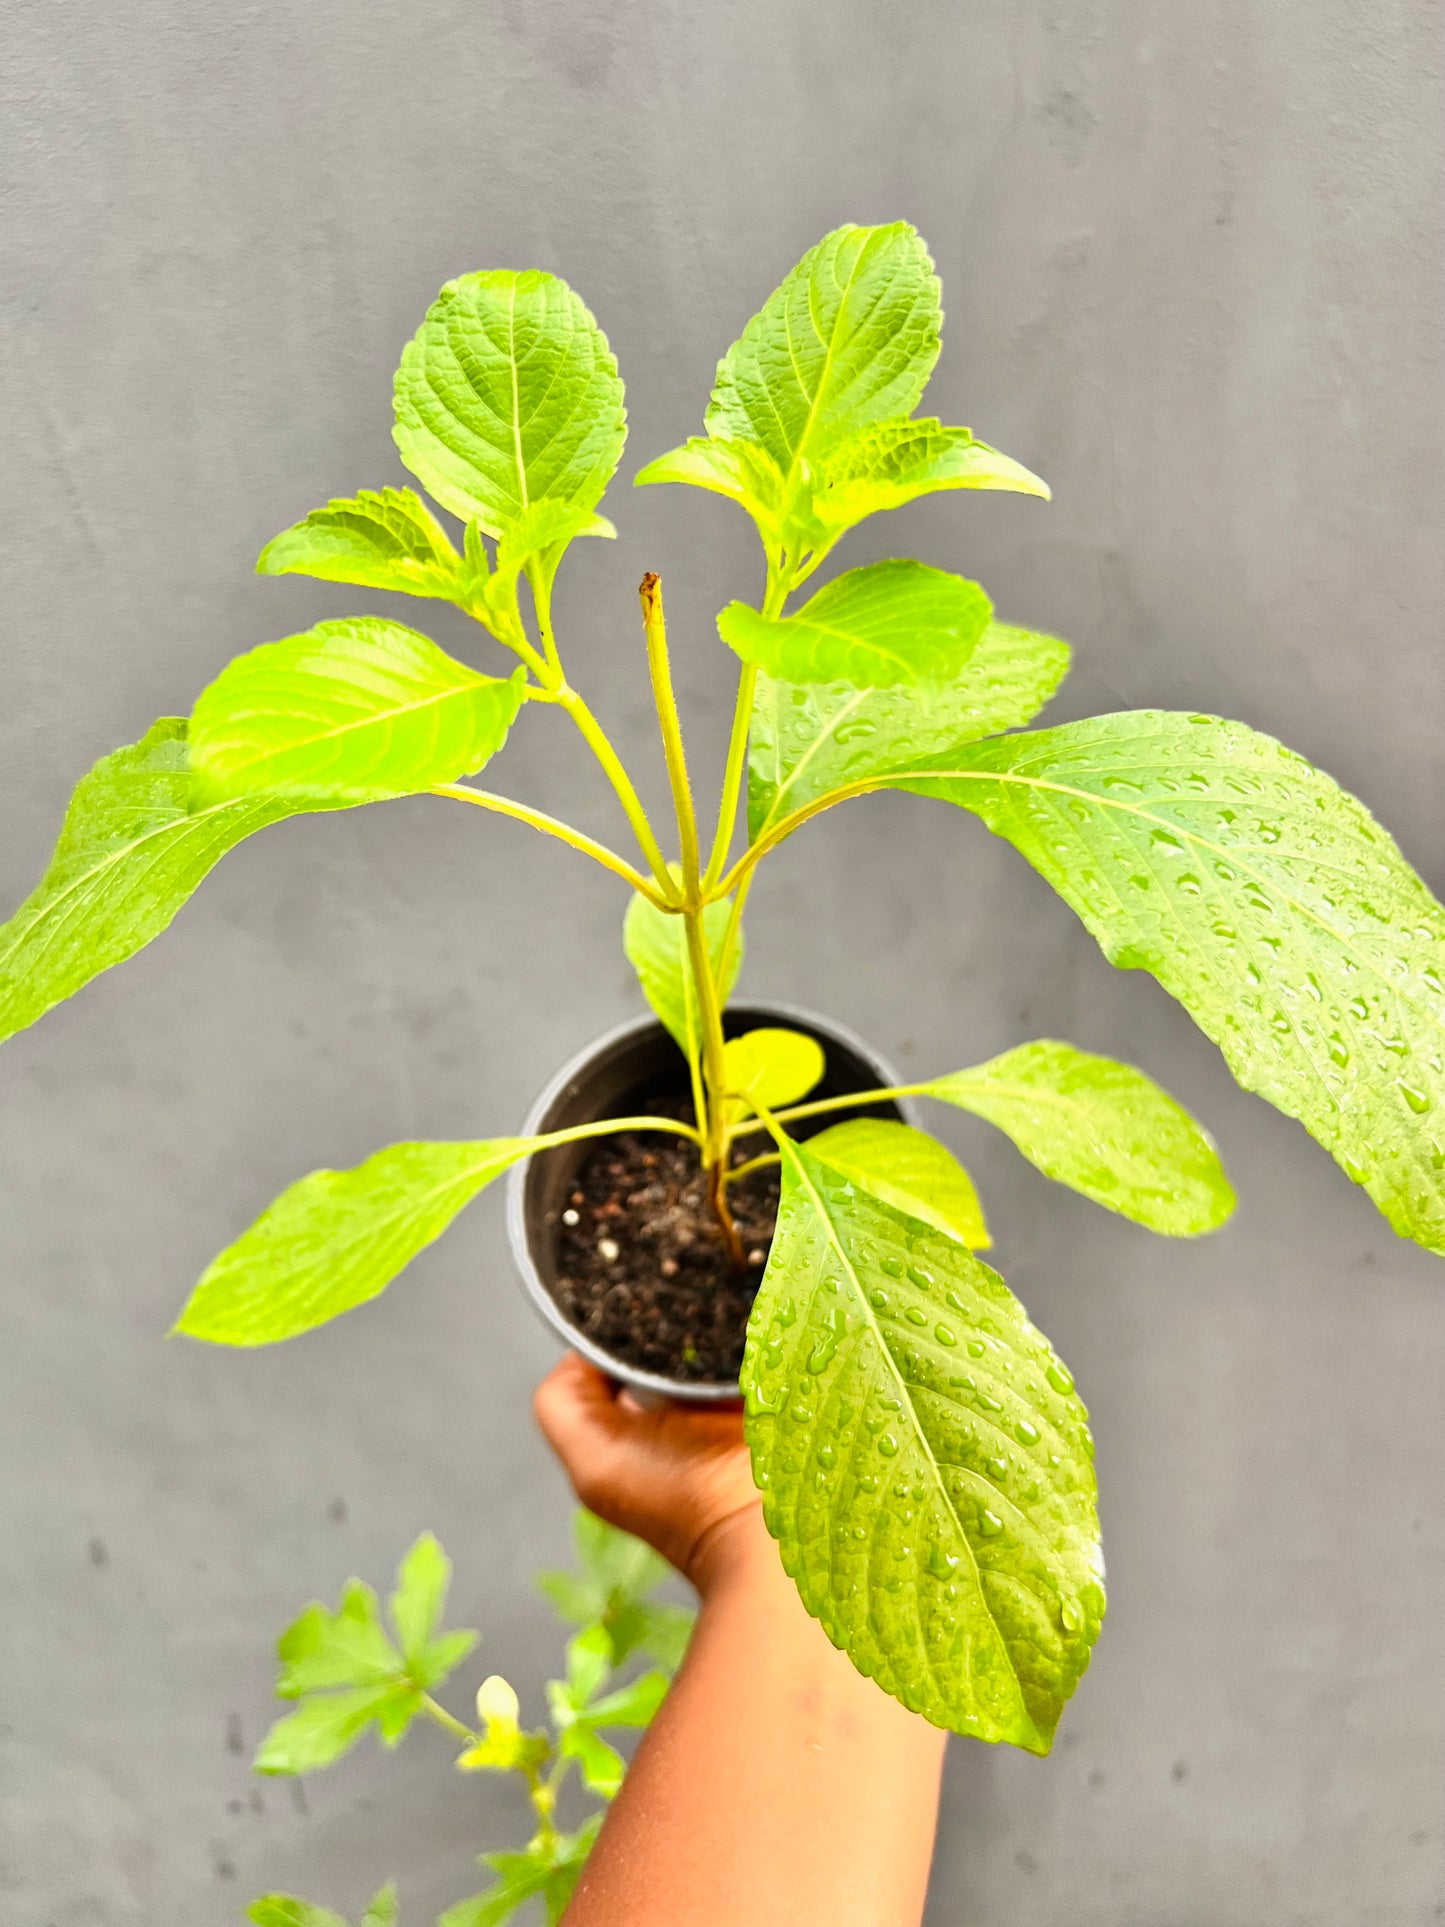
(497, 1702)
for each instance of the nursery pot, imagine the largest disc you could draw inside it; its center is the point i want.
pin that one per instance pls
(615, 1077)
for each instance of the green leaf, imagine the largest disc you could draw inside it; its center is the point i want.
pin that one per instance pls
(380, 538)
(323, 1728)
(620, 1568)
(570, 1856)
(349, 1647)
(660, 1632)
(441, 1656)
(656, 947)
(509, 395)
(618, 1573)
(394, 1718)
(1102, 1128)
(519, 1884)
(382, 1911)
(740, 470)
(359, 708)
(569, 1595)
(926, 1466)
(137, 840)
(850, 337)
(540, 529)
(284, 1910)
(549, 1869)
(771, 1067)
(873, 628)
(421, 1594)
(533, 543)
(806, 742)
(1268, 901)
(602, 1766)
(887, 464)
(635, 1704)
(907, 1169)
(589, 1661)
(337, 1238)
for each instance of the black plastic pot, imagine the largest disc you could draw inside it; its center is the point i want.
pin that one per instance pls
(609, 1079)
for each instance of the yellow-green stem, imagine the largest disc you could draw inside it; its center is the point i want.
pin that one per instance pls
(552, 826)
(541, 582)
(780, 581)
(714, 1144)
(753, 1164)
(546, 666)
(734, 925)
(733, 774)
(544, 1801)
(824, 1104)
(660, 669)
(603, 1126)
(595, 737)
(443, 1718)
(785, 826)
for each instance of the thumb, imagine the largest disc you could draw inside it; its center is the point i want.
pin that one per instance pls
(577, 1410)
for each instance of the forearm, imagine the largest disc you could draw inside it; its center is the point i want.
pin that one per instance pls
(775, 1785)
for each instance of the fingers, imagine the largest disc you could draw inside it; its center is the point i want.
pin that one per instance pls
(576, 1407)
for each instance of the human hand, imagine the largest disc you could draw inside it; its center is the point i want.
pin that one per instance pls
(677, 1476)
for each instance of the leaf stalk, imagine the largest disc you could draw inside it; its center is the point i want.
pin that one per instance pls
(822, 1105)
(553, 826)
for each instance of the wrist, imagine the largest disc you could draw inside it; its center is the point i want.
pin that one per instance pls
(733, 1551)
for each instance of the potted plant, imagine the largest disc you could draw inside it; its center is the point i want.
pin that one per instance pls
(924, 1457)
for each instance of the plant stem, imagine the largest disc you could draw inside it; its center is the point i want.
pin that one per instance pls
(718, 1203)
(595, 737)
(443, 1718)
(785, 826)
(551, 826)
(733, 774)
(737, 1171)
(780, 583)
(734, 925)
(714, 1145)
(824, 1104)
(543, 1795)
(601, 1126)
(541, 583)
(660, 669)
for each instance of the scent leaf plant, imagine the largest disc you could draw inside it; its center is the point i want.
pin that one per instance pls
(924, 1457)
(346, 1674)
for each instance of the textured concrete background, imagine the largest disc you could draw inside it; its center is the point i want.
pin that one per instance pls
(1192, 264)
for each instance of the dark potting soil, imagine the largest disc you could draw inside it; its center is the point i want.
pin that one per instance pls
(641, 1266)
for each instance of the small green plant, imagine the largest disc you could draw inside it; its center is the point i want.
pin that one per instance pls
(347, 1675)
(925, 1461)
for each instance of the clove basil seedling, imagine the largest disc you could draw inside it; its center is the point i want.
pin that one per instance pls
(925, 1460)
(347, 1675)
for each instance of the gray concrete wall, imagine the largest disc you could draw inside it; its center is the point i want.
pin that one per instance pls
(1192, 265)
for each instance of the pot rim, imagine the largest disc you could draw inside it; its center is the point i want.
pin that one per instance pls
(653, 1385)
